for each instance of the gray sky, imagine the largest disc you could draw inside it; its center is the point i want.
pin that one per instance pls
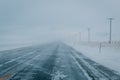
(36, 21)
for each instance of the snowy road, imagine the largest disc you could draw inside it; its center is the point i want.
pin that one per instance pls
(55, 61)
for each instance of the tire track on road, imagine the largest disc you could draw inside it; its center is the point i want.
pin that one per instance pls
(94, 73)
(44, 73)
(20, 61)
(48, 67)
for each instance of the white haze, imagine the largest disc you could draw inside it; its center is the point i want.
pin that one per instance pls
(24, 22)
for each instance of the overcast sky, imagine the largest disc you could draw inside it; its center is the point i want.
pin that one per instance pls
(36, 21)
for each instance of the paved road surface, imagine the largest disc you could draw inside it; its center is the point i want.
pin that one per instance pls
(55, 61)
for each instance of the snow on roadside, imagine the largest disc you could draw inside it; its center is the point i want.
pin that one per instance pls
(109, 56)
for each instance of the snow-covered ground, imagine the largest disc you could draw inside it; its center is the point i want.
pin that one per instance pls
(109, 55)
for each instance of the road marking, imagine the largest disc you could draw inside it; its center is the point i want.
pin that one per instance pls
(5, 76)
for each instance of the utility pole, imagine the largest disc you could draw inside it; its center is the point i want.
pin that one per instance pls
(110, 34)
(88, 34)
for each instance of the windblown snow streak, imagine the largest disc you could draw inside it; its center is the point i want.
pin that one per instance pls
(55, 61)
